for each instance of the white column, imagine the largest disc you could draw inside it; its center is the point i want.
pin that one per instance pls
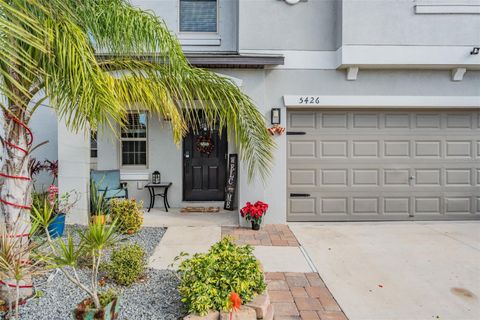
(74, 169)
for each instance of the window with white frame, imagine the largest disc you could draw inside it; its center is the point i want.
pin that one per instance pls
(93, 145)
(134, 140)
(198, 15)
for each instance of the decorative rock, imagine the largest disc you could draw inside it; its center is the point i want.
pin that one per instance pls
(212, 315)
(245, 313)
(270, 313)
(260, 304)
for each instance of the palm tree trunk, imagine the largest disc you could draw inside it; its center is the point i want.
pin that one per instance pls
(15, 192)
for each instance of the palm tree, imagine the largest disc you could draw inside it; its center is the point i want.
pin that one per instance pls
(94, 60)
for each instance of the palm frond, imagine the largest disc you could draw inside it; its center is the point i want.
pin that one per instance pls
(117, 27)
(78, 88)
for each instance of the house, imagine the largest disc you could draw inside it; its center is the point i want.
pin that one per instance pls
(380, 101)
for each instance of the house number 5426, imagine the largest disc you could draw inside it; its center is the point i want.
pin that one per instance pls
(309, 100)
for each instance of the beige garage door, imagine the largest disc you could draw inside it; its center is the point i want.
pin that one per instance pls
(383, 165)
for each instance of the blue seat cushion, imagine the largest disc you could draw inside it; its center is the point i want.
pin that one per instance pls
(106, 179)
(116, 193)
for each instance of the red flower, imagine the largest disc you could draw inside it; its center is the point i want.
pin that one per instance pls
(235, 300)
(254, 211)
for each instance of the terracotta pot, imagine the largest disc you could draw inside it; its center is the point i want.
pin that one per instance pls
(255, 226)
(110, 312)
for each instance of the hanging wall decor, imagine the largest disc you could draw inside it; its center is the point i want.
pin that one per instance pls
(276, 130)
(205, 144)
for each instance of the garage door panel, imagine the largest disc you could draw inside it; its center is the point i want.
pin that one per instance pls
(365, 120)
(302, 177)
(396, 206)
(337, 120)
(365, 177)
(334, 177)
(333, 205)
(427, 205)
(459, 120)
(303, 206)
(458, 177)
(365, 205)
(428, 149)
(428, 177)
(428, 121)
(385, 165)
(362, 149)
(396, 177)
(459, 149)
(396, 149)
(303, 149)
(397, 120)
(334, 149)
(302, 120)
(458, 205)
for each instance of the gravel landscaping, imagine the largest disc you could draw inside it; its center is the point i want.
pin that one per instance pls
(154, 298)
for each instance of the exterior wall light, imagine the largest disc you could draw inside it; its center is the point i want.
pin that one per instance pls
(475, 51)
(275, 116)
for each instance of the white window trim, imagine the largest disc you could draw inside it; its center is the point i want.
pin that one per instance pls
(447, 7)
(207, 36)
(146, 139)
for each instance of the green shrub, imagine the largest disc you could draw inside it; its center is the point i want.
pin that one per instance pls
(106, 297)
(207, 279)
(127, 264)
(128, 213)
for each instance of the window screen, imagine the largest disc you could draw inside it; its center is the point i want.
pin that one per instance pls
(198, 15)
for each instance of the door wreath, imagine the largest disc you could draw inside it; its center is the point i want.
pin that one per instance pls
(205, 144)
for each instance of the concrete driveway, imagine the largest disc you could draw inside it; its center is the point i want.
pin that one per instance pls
(398, 270)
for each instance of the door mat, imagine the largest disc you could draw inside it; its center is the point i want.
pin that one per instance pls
(200, 209)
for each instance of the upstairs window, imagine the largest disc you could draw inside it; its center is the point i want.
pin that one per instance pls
(93, 145)
(134, 140)
(198, 15)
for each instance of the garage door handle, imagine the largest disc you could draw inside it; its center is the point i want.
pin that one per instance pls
(299, 195)
(296, 133)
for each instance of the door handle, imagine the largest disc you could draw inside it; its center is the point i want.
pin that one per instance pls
(296, 133)
(299, 195)
(186, 162)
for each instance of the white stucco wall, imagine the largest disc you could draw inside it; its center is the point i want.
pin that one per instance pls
(44, 128)
(74, 169)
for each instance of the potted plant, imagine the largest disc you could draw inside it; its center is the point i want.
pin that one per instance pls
(254, 213)
(99, 204)
(64, 254)
(59, 205)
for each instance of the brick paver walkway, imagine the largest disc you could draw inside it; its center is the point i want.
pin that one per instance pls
(301, 296)
(268, 235)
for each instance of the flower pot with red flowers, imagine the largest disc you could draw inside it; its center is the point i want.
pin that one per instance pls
(254, 213)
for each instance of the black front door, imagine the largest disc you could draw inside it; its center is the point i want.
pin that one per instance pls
(204, 165)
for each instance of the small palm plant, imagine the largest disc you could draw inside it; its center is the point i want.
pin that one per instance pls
(16, 269)
(99, 203)
(65, 254)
